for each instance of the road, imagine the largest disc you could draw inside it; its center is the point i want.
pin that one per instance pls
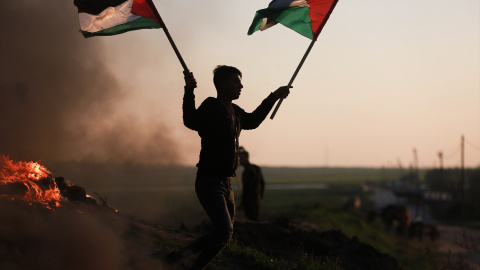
(460, 244)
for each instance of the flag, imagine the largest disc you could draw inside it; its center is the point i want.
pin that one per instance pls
(112, 17)
(306, 17)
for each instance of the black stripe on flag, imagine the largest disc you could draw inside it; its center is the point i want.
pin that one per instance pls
(95, 7)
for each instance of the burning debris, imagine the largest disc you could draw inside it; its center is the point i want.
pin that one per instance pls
(28, 181)
(33, 183)
(48, 223)
(72, 192)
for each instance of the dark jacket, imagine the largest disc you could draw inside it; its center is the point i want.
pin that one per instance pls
(253, 187)
(219, 137)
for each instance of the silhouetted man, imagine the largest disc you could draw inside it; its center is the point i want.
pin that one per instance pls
(219, 122)
(253, 186)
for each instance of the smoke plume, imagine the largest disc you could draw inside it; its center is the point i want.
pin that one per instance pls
(66, 239)
(57, 97)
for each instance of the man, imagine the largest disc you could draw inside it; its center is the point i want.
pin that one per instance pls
(219, 122)
(253, 186)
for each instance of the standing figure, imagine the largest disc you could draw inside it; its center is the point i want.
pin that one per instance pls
(253, 187)
(218, 122)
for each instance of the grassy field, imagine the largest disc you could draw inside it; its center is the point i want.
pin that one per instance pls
(330, 175)
(108, 175)
(322, 210)
(165, 193)
(165, 196)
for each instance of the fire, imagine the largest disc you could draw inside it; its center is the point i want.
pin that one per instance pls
(28, 181)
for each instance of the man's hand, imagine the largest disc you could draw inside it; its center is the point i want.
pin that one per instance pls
(282, 92)
(190, 82)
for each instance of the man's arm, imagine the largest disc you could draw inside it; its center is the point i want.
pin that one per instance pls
(189, 110)
(254, 119)
(282, 92)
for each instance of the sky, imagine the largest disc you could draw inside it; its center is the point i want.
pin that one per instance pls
(384, 80)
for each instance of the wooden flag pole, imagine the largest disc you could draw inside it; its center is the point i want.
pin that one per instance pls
(293, 77)
(170, 39)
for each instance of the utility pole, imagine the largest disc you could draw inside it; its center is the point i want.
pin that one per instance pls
(417, 180)
(440, 156)
(440, 174)
(415, 168)
(327, 155)
(462, 171)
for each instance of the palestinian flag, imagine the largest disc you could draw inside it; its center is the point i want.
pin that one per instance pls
(112, 17)
(306, 17)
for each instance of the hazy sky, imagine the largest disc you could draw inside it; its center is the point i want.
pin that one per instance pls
(384, 78)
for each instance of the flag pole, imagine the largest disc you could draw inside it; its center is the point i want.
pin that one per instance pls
(169, 37)
(293, 77)
(179, 56)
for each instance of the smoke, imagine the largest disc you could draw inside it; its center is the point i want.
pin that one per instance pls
(58, 99)
(66, 239)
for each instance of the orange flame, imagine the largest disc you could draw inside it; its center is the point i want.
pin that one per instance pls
(33, 176)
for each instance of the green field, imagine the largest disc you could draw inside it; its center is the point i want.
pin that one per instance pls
(165, 196)
(165, 193)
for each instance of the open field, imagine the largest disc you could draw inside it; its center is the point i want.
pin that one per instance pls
(166, 193)
(129, 175)
(310, 197)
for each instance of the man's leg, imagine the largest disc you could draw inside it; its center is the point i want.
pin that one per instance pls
(216, 197)
(251, 209)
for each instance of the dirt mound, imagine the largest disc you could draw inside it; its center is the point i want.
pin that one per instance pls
(282, 238)
(80, 233)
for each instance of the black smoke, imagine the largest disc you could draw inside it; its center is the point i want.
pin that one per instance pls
(58, 99)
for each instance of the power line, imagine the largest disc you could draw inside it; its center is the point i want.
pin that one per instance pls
(472, 145)
(452, 155)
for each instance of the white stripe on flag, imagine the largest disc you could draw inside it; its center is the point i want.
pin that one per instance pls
(108, 18)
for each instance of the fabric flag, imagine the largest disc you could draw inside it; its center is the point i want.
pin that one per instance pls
(112, 17)
(306, 17)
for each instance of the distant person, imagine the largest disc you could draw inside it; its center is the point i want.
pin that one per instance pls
(218, 122)
(253, 186)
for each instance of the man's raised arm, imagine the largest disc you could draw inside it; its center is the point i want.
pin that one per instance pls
(189, 110)
(254, 119)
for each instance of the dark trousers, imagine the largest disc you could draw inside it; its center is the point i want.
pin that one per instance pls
(216, 196)
(251, 208)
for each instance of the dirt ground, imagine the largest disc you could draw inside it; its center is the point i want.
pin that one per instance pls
(455, 242)
(460, 243)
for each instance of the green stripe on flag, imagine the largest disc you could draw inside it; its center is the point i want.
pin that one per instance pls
(295, 18)
(140, 23)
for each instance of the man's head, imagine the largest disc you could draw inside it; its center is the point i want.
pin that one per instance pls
(243, 156)
(228, 82)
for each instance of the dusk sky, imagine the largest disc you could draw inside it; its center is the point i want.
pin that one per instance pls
(384, 78)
